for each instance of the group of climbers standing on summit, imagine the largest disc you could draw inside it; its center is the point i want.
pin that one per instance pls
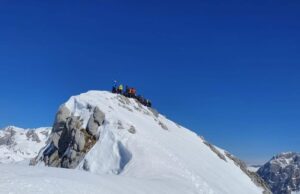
(130, 93)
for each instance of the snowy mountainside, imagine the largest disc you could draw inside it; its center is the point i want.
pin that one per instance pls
(20, 179)
(109, 134)
(18, 145)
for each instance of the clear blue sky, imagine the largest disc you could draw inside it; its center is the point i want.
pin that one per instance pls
(228, 70)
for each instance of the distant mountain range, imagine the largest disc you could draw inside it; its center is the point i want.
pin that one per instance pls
(20, 145)
(282, 173)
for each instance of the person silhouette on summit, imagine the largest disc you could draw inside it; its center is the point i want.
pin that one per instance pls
(132, 93)
(120, 89)
(126, 92)
(114, 88)
(148, 103)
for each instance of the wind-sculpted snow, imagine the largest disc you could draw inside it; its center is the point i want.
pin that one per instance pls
(134, 142)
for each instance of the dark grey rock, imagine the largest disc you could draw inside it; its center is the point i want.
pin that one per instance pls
(282, 173)
(73, 155)
(120, 125)
(53, 159)
(99, 116)
(132, 129)
(55, 138)
(215, 150)
(96, 120)
(86, 165)
(92, 127)
(73, 123)
(154, 112)
(79, 140)
(8, 138)
(70, 140)
(61, 117)
(163, 125)
(33, 136)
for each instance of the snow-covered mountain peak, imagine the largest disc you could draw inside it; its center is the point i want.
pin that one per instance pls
(107, 133)
(286, 158)
(282, 173)
(18, 144)
(284, 155)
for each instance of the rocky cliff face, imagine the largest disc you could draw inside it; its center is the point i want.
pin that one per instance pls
(70, 139)
(282, 173)
(17, 144)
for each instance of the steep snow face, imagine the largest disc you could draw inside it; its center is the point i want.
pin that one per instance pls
(18, 145)
(136, 141)
(282, 173)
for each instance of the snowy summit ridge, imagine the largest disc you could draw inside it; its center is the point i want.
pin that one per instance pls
(109, 134)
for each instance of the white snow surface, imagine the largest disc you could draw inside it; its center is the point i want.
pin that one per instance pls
(20, 179)
(18, 145)
(153, 160)
(253, 168)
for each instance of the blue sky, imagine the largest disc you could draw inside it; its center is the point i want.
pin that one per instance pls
(228, 70)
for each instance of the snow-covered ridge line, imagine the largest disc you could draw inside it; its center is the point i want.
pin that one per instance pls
(109, 134)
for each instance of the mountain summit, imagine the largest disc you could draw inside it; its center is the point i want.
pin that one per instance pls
(109, 134)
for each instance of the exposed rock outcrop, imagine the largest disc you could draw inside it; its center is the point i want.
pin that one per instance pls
(95, 121)
(7, 138)
(70, 139)
(215, 150)
(254, 176)
(282, 173)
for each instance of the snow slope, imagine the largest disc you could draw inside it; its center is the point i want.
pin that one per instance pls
(144, 147)
(20, 145)
(19, 179)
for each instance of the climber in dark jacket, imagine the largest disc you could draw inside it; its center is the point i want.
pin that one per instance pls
(132, 93)
(126, 92)
(139, 98)
(148, 103)
(114, 88)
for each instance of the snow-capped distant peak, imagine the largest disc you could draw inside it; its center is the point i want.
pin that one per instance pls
(282, 173)
(18, 144)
